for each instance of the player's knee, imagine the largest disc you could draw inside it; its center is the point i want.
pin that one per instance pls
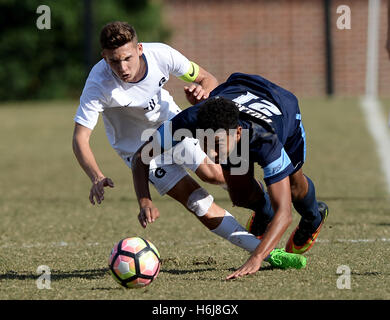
(199, 202)
(249, 197)
(212, 175)
(294, 191)
(297, 191)
(213, 179)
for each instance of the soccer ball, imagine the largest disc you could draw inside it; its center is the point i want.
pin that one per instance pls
(134, 262)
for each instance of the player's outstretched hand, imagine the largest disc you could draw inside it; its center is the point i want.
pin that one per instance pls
(195, 93)
(147, 215)
(97, 190)
(252, 265)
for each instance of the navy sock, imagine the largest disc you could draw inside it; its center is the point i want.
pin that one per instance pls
(264, 206)
(308, 206)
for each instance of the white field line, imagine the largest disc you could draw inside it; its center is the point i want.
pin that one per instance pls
(353, 240)
(376, 125)
(94, 244)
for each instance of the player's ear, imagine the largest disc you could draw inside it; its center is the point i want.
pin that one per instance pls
(238, 133)
(140, 49)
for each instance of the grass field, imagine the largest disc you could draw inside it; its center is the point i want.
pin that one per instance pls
(46, 218)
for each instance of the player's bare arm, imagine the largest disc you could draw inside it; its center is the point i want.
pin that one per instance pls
(86, 159)
(203, 84)
(140, 168)
(280, 195)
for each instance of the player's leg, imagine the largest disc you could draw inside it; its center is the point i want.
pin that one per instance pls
(218, 220)
(198, 201)
(222, 223)
(303, 196)
(210, 172)
(245, 191)
(189, 154)
(176, 183)
(174, 180)
(313, 213)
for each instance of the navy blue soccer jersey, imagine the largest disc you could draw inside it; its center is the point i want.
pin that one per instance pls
(271, 113)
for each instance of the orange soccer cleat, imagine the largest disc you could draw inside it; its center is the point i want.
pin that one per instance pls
(256, 226)
(303, 238)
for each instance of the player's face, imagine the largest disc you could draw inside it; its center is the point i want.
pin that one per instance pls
(224, 144)
(126, 61)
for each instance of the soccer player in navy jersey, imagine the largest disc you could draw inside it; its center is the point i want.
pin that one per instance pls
(252, 120)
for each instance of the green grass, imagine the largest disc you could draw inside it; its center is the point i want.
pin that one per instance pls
(46, 218)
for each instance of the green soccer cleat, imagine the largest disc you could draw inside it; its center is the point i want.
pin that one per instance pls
(281, 259)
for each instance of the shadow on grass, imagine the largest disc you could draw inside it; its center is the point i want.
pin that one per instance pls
(188, 271)
(266, 268)
(108, 289)
(56, 274)
(176, 271)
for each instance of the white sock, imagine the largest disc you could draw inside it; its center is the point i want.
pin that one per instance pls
(235, 233)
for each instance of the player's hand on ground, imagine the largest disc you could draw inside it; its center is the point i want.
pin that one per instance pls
(147, 215)
(252, 265)
(195, 93)
(97, 189)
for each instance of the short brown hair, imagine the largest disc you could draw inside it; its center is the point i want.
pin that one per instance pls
(116, 34)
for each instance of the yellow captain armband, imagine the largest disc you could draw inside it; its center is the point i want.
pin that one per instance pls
(192, 74)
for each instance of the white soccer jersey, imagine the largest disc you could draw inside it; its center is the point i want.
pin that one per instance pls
(130, 108)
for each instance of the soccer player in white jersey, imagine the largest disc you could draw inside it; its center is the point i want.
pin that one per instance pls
(126, 87)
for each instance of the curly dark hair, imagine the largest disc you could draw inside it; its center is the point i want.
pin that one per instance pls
(218, 113)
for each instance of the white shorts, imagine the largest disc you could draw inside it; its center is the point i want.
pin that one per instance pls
(165, 176)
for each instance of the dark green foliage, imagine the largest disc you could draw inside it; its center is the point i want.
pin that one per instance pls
(46, 64)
